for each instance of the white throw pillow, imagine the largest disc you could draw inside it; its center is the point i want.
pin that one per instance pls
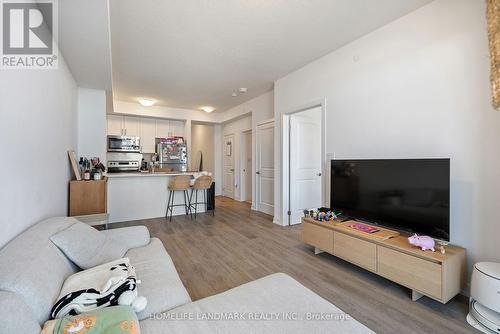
(86, 246)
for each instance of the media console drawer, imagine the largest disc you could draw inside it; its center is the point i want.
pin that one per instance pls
(318, 237)
(357, 251)
(410, 271)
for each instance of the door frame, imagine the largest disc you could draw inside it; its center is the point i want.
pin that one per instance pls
(224, 164)
(256, 163)
(243, 163)
(285, 155)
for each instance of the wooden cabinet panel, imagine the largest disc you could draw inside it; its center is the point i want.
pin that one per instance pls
(115, 125)
(357, 251)
(412, 272)
(318, 237)
(88, 197)
(132, 126)
(148, 135)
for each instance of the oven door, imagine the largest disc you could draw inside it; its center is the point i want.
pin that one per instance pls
(123, 144)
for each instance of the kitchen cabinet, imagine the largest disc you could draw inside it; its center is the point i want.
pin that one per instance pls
(123, 126)
(148, 129)
(166, 128)
(115, 125)
(162, 128)
(177, 128)
(132, 126)
(148, 135)
(88, 197)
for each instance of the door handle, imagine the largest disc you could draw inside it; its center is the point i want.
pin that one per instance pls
(319, 174)
(232, 169)
(258, 173)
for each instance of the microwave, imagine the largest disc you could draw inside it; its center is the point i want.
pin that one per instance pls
(124, 144)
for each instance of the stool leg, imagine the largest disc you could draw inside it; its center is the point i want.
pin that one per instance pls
(185, 201)
(196, 204)
(172, 207)
(168, 203)
(190, 205)
(205, 200)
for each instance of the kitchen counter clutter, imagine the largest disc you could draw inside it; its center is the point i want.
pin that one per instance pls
(137, 196)
(148, 174)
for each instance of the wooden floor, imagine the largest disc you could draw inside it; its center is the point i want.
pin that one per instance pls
(214, 254)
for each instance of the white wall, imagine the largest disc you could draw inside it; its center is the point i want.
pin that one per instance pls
(202, 140)
(418, 87)
(92, 123)
(38, 125)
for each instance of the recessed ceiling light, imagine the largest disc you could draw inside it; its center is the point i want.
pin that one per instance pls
(146, 102)
(207, 109)
(242, 90)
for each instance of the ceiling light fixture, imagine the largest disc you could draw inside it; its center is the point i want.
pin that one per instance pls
(146, 102)
(234, 94)
(207, 109)
(242, 90)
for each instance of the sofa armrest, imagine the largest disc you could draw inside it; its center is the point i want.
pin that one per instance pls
(131, 237)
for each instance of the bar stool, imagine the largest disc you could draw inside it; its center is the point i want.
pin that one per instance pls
(178, 183)
(202, 183)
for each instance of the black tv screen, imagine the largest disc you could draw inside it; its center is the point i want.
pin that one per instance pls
(412, 195)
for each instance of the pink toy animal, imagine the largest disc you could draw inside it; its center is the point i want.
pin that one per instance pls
(422, 241)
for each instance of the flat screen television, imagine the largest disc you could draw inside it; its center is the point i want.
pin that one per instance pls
(411, 195)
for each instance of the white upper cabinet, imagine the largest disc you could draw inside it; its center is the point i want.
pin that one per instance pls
(177, 128)
(115, 125)
(147, 129)
(148, 135)
(132, 126)
(162, 128)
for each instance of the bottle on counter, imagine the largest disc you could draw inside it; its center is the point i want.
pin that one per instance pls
(86, 167)
(80, 164)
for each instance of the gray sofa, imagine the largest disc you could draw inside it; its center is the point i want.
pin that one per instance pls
(33, 269)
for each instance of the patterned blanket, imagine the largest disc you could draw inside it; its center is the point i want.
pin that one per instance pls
(95, 288)
(110, 320)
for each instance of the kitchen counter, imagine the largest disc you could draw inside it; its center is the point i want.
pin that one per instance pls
(137, 196)
(139, 174)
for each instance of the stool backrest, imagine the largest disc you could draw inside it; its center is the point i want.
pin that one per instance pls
(180, 182)
(202, 182)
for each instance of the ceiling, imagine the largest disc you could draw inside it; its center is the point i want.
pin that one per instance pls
(84, 41)
(191, 53)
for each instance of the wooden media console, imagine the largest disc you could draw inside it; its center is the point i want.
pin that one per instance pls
(432, 274)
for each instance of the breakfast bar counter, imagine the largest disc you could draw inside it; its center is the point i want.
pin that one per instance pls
(136, 196)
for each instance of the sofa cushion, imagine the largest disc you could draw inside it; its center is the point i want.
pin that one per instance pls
(277, 296)
(34, 268)
(160, 283)
(86, 246)
(17, 317)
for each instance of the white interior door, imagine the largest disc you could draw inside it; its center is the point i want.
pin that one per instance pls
(264, 152)
(228, 185)
(305, 163)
